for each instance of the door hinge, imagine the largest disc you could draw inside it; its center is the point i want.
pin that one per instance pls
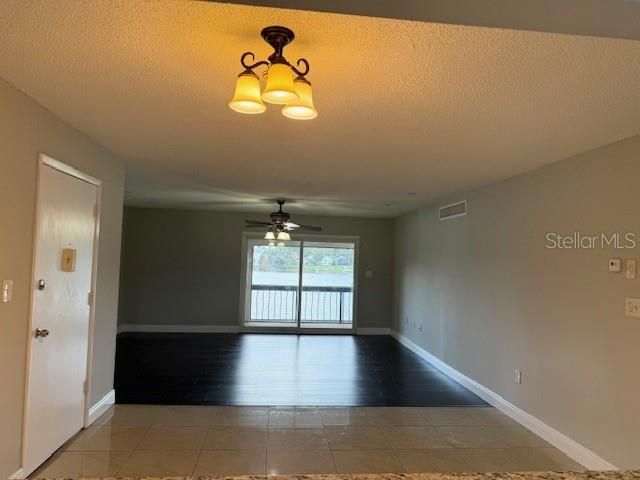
(95, 211)
(85, 388)
(90, 299)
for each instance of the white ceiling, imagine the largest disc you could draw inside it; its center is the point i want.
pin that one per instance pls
(409, 111)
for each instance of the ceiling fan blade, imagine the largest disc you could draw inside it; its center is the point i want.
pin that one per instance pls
(310, 228)
(251, 225)
(258, 223)
(291, 225)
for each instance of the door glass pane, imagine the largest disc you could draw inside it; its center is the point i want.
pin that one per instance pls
(327, 285)
(274, 281)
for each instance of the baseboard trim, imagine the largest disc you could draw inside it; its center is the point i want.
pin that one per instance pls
(131, 327)
(101, 406)
(372, 331)
(19, 475)
(571, 448)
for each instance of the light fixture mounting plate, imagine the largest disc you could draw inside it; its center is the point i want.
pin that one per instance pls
(277, 36)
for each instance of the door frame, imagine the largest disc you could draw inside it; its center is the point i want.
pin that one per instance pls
(45, 161)
(246, 236)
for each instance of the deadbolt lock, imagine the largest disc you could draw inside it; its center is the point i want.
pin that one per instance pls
(42, 284)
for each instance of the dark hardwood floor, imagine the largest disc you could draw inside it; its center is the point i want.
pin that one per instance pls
(253, 369)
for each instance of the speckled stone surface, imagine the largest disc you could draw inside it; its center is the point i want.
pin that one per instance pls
(617, 475)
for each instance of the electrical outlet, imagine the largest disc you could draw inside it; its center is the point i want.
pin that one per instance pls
(632, 307)
(631, 269)
(517, 376)
(615, 265)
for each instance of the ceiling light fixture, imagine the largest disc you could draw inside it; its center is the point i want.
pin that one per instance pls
(281, 88)
(280, 226)
(282, 235)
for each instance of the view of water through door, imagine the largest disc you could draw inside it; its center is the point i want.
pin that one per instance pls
(300, 284)
(275, 279)
(327, 285)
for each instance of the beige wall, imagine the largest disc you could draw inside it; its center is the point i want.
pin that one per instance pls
(26, 129)
(183, 266)
(491, 298)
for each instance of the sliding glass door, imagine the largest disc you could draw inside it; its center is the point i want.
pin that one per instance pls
(327, 285)
(273, 274)
(303, 284)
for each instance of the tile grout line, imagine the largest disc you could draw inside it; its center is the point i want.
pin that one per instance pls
(195, 465)
(266, 445)
(130, 454)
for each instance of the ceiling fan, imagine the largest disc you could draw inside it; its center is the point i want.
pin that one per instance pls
(280, 226)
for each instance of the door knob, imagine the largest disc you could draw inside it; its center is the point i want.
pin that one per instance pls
(42, 284)
(41, 332)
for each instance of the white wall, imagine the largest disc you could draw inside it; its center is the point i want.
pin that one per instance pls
(27, 129)
(491, 298)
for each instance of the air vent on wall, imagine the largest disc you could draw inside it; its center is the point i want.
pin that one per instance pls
(454, 210)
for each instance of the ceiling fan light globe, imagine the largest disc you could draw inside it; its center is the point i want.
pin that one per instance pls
(269, 236)
(283, 236)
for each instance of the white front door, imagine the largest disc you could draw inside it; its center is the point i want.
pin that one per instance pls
(59, 336)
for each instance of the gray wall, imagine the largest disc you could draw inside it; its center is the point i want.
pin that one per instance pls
(605, 18)
(183, 266)
(27, 129)
(491, 298)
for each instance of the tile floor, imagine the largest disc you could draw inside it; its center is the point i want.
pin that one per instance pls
(131, 440)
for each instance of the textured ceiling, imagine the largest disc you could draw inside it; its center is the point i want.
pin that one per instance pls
(409, 111)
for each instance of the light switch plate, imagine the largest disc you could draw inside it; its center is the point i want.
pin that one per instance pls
(517, 376)
(631, 269)
(368, 274)
(615, 265)
(7, 291)
(632, 307)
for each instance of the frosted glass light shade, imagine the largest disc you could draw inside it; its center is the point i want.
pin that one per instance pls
(302, 108)
(279, 88)
(247, 97)
(269, 236)
(284, 236)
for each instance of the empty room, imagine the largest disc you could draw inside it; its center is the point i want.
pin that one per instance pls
(323, 240)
